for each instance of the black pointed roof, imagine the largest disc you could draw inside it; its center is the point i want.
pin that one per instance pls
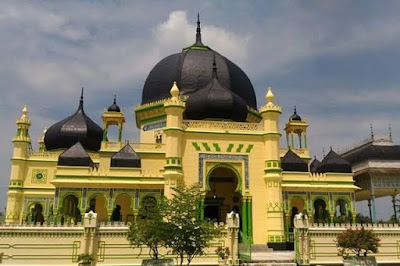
(373, 152)
(295, 116)
(292, 162)
(333, 163)
(191, 70)
(126, 157)
(314, 165)
(114, 107)
(75, 128)
(75, 156)
(214, 101)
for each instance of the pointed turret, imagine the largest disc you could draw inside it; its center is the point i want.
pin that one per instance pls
(113, 116)
(77, 127)
(334, 163)
(214, 101)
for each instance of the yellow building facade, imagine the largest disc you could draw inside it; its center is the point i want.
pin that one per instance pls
(199, 123)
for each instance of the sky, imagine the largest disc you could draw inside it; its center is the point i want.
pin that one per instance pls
(337, 61)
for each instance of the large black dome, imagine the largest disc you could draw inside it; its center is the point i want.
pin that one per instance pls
(191, 70)
(75, 128)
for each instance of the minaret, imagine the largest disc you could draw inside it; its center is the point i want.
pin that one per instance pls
(21, 142)
(174, 108)
(297, 126)
(113, 116)
(273, 172)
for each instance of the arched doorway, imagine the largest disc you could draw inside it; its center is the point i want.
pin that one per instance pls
(223, 195)
(97, 204)
(70, 211)
(321, 214)
(125, 212)
(35, 214)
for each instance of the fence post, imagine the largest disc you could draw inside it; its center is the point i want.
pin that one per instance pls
(301, 242)
(233, 223)
(90, 225)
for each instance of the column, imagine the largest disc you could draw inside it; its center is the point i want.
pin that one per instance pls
(373, 207)
(250, 219)
(394, 206)
(244, 217)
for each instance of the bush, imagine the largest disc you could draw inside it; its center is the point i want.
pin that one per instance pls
(85, 258)
(359, 241)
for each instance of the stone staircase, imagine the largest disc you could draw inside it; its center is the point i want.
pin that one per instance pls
(261, 255)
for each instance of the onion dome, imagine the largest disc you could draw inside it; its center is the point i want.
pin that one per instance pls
(314, 165)
(191, 69)
(333, 163)
(292, 162)
(126, 157)
(75, 128)
(75, 156)
(295, 116)
(114, 107)
(213, 101)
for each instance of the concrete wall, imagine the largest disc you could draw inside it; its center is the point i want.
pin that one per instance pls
(322, 243)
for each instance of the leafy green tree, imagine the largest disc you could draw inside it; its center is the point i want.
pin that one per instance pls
(361, 219)
(190, 236)
(359, 241)
(149, 229)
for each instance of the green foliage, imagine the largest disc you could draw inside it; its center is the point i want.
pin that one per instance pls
(359, 241)
(86, 258)
(361, 219)
(189, 235)
(149, 229)
(223, 253)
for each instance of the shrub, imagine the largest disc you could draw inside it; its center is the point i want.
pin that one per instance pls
(359, 241)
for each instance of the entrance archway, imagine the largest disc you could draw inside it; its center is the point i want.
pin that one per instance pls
(70, 211)
(123, 202)
(97, 204)
(223, 195)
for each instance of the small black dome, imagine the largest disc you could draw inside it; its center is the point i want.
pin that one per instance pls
(215, 102)
(295, 116)
(75, 156)
(114, 107)
(314, 165)
(191, 70)
(75, 128)
(126, 157)
(333, 163)
(292, 162)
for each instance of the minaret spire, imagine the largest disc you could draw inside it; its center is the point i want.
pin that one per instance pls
(198, 32)
(81, 101)
(214, 75)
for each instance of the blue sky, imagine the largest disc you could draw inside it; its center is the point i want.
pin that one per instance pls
(337, 61)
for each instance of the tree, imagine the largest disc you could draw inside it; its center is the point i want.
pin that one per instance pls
(361, 219)
(359, 241)
(190, 235)
(149, 229)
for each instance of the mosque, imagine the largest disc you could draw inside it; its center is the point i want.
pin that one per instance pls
(199, 123)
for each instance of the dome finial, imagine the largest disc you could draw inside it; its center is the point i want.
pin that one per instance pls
(295, 111)
(270, 96)
(372, 131)
(214, 75)
(115, 98)
(174, 91)
(81, 100)
(198, 32)
(25, 110)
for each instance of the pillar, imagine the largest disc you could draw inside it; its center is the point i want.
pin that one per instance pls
(174, 108)
(273, 174)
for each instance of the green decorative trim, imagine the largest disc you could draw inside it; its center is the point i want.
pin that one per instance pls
(141, 109)
(216, 146)
(230, 147)
(249, 148)
(16, 184)
(275, 207)
(152, 119)
(196, 146)
(39, 176)
(239, 149)
(276, 238)
(205, 145)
